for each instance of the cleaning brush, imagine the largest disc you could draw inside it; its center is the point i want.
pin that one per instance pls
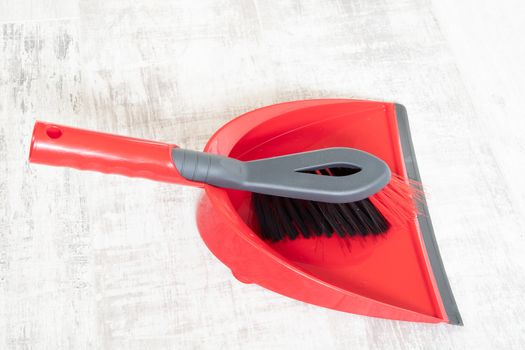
(333, 190)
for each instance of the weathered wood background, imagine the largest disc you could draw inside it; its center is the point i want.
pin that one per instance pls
(89, 261)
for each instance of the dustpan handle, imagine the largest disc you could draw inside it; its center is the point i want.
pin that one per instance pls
(89, 150)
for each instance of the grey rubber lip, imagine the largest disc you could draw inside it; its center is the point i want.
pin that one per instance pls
(283, 176)
(425, 223)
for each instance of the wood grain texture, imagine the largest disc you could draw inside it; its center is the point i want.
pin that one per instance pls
(89, 261)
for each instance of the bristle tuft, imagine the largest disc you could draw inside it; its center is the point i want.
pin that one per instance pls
(397, 201)
(282, 218)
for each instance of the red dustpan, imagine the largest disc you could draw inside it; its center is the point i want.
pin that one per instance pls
(399, 276)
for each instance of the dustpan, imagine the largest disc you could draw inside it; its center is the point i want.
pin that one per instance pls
(398, 276)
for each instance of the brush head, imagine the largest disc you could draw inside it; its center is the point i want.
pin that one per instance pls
(282, 218)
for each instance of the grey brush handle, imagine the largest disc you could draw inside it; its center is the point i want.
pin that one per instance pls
(210, 168)
(286, 176)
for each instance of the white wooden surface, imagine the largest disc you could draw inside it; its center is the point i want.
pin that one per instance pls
(89, 261)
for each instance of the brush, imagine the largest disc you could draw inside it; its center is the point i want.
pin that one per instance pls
(342, 191)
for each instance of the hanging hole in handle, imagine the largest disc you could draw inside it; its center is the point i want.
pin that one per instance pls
(53, 132)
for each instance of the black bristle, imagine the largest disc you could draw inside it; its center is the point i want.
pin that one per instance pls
(320, 225)
(363, 217)
(350, 219)
(293, 213)
(332, 214)
(263, 215)
(282, 218)
(329, 220)
(379, 223)
(285, 219)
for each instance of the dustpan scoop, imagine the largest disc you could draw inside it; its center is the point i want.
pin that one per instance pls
(399, 277)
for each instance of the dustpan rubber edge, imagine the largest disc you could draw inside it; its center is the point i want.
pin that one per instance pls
(425, 223)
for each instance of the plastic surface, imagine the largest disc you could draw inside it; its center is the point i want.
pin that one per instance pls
(287, 176)
(57, 145)
(89, 150)
(389, 277)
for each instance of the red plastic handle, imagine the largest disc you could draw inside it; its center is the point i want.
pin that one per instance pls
(111, 154)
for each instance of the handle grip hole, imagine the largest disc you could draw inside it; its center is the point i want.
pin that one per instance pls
(342, 170)
(53, 132)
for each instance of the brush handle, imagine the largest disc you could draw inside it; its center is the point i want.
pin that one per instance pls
(285, 176)
(57, 145)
